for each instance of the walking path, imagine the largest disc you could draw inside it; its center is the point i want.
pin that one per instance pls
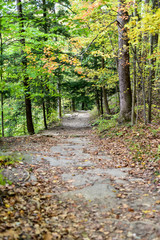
(106, 203)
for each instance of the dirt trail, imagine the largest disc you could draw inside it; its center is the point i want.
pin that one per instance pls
(93, 199)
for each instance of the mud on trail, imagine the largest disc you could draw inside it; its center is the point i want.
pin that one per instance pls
(70, 186)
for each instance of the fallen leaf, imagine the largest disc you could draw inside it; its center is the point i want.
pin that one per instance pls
(48, 236)
(10, 233)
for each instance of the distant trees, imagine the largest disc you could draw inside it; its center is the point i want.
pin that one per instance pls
(134, 48)
(57, 55)
(31, 52)
(143, 34)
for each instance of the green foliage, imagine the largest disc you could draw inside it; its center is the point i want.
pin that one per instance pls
(93, 114)
(158, 149)
(4, 180)
(38, 59)
(53, 118)
(68, 50)
(105, 123)
(7, 160)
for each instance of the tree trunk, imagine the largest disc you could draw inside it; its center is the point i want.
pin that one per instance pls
(73, 105)
(101, 100)
(97, 101)
(44, 114)
(123, 65)
(45, 27)
(134, 87)
(48, 102)
(106, 105)
(1, 62)
(2, 115)
(104, 91)
(153, 45)
(45, 17)
(83, 105)
(133, 116)
(59, 100)
(30, 127)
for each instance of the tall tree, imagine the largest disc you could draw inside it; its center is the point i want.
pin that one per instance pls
(1, 76)
(153, 46)
(28, 105)
(123, 63)
(104, 90)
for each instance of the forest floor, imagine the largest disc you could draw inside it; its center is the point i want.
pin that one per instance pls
(71, 184)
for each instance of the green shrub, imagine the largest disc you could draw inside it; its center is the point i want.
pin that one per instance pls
(104, 124)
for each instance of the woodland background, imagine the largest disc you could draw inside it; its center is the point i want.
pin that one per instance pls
(57, 56)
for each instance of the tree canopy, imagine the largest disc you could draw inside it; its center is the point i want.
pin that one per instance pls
(59, 55)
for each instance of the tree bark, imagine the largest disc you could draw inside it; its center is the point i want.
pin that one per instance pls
(133, 116)
(134, 87)
(101, 100)
(73, 105)
(97, 101)
(106, 105)
(45, 27)
(59, 100)
(153, 45)
(28, 105)
(104, 91)
(83, 105)
(45, 17)
(44, 114)
(1, 62)
(123, 64)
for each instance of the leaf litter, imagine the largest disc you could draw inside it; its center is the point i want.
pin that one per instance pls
(37, 209)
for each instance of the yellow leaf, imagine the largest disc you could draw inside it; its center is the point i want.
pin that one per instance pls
(7, 205)
(146, 211)
(81, 168)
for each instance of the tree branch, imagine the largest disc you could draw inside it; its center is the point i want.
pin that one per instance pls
(86, 49)
(66, 7)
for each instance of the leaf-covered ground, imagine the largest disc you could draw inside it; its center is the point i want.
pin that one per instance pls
(37, 209)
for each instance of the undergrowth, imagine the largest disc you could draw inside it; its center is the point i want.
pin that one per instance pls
(141, 141)
(105, 123)
(8, 160)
